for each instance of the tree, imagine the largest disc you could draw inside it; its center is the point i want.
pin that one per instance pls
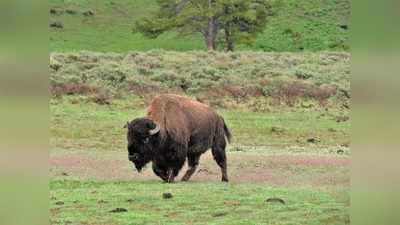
(238, 20)
(242, 21)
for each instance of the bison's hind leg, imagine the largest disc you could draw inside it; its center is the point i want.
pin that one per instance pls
(218, 152)
(193, 162)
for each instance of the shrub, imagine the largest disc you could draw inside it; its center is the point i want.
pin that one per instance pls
(272, 88)
(144, 71)
(323, 93)
(226, 79)
(72, 89)
(54, 64)
(199, 85)
(304, 75)
(208, 73)
(235, 91)
(101, 98)
(172, 80)
(109, 75)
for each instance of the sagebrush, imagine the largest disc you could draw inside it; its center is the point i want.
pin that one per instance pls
(225, 80)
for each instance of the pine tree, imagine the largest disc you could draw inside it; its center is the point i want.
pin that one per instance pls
(243, 20)
(238, 20)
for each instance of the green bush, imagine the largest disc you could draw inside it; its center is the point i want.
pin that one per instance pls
(286, 78)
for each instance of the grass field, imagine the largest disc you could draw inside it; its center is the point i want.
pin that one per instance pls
(90, 175)
(309, 25)
(289, 114)
(83, 125)
(193, 203)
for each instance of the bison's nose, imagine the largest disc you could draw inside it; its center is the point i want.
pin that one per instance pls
(133, 157)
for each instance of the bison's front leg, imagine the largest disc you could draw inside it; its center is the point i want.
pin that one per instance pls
(160, 172)
(170, 175)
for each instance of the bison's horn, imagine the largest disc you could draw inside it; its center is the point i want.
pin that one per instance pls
(155, 130)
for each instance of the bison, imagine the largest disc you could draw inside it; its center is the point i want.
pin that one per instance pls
(177, 128)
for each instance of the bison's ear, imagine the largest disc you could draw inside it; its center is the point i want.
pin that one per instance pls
(126, 125)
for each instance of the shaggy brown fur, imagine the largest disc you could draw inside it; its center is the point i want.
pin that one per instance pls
(187, 129)
(180, 117)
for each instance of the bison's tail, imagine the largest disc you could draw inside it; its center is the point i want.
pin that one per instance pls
(227, 131)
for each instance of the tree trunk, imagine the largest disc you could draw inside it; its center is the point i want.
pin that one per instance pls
(212, 29)
(211, 34)
(210, 43)
(228, 31)
(230, 46)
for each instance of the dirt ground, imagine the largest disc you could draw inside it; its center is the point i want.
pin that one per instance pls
(274, 170)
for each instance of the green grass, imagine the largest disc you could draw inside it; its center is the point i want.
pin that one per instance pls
(82, 125)
(84, 133)
(255, 129)
(91, 131)
(310, 25)
(193, 203)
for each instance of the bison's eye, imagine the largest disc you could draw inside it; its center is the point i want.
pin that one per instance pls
(146, 140)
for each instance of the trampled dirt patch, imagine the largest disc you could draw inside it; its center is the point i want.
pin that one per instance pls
(275, 170)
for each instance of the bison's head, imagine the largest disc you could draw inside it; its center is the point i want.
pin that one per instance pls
(142, 135)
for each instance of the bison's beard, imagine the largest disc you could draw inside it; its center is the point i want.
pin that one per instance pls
(141, 163)
(139, 167)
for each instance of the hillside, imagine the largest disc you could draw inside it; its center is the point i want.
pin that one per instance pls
(106, 26)
(255, 81)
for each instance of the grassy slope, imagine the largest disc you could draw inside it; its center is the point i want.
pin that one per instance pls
(310, 25)
(261, 82)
